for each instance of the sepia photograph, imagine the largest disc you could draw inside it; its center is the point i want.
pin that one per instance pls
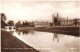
(40, 25)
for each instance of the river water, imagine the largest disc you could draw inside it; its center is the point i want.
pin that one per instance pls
(48, 42)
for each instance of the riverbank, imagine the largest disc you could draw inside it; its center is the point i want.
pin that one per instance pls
(10, 43)
(69, 30)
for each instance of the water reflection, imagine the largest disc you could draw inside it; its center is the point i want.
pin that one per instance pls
(55, 36)
(20, 32)
(49, 42)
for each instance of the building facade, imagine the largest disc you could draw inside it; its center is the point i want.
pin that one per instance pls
(56, 21)
(42, 24)
(71, 22)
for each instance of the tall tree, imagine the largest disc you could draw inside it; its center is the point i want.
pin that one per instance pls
(3, 19)
(18, 24)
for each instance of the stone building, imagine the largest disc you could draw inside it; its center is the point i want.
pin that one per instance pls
(56, 21)
(42, 24)
(71, 22)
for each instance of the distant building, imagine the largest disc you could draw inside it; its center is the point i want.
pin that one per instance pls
(71, 22)
(42, 24)
(56, 21)
(67, 23)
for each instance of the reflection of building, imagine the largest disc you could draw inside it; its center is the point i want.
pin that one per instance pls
(42, 24)
(56, 37)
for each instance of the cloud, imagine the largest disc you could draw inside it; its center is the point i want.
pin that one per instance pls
(40, 0)
(39, 10)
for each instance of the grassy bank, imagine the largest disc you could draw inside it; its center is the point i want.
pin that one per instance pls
(61, 30)
(10, 43)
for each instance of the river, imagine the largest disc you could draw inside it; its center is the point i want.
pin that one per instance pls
(48, 42)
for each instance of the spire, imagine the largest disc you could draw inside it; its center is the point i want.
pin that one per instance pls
(53, 17)
(67, 18)
(57, 15)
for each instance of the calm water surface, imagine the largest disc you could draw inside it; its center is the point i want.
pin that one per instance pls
(49, 42)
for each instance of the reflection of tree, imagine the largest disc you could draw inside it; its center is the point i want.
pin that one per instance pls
(55, 37)
(19, 32)
(24, 32)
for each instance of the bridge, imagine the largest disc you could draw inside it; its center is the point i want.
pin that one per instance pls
(9, 27)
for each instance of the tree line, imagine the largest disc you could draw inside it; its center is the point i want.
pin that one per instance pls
(11, 22)
(19, 24)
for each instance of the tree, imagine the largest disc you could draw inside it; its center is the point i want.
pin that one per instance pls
(3, 18)
(18, 24)
(3, 24)
(75, 21)
(11, 23)
(25, 23)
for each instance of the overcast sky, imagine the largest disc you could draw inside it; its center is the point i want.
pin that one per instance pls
(39, 10)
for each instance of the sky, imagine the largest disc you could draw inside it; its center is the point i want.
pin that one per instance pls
(32, 10)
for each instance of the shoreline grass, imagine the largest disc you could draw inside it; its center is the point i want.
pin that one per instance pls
(9, 42)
